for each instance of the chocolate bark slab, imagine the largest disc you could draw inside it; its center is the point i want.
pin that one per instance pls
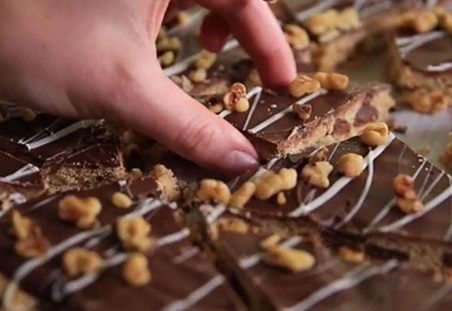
(182, 276)
(70, 153)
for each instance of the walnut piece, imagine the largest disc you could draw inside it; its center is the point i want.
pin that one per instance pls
(351, 255)
(296, 36)
(375, 134)
(403, 186)
(167, 182)
(121, 200)
(81, 211)
(332, 81)
(136, 271)
(348, 19)
(205, 60)
(409, 206)
(240, 197)
(270, 183)
(302, 111)
(78, 261)
(316, 174)
(235, 99)
(281, 198)
(133, 233)
(270, 241)
(320, 23)
(30, 240)
(303, 85)
(292, 259)
(351, 164)
(197, 75)
(211, 189)
(22, 226)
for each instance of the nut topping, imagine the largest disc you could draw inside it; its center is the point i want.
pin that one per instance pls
(303, 85)
(133, 233)
(235, 99)
(240, 197)
(292, 259)
(30, 241)
(81, 211)
(136, 271)
(303, 111)
(121, 200)
(78, 261)
(270, 183)
(216, 190)
(332, 81)
(316, 174)
(351, 164)
(375, 134)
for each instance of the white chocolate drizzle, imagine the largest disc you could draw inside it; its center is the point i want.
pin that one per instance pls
(304, 209)
(27, 170)
(410, 43)
(257, 92)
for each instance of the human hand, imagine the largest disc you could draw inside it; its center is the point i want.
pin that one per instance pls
(97, 59)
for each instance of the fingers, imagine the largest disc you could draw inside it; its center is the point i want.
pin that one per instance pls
(158, 108)
(214, 32)
(253, 24)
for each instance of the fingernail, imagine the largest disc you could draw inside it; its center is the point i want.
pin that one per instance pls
(237, 162)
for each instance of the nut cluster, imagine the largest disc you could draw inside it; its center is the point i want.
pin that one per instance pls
(375, 134)
(167, 182)
(317, 174)
(134, 234)
(167, 48)
(296, 36)
(351, 164)
(235, 99)
(136, 271)
(214, 190)
(329, 24)
(302, 111)
(200, 66)
(242, 195)
(304, 85)
(30, 240)
(81, 211)
(294, 260)
(407, 199)
(78, 261)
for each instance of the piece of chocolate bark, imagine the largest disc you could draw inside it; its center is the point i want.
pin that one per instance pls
(420, 62)
(278, 125)
(110, 248)
(69, 153)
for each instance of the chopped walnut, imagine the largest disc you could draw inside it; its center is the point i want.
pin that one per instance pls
(320, 23)
(81, 211)
(27, 114)
(167, 182)
(303, 85)
(409, 206)
(270, 241)
(292, 259)
(205, 60)
(235, 99)
(121, 200)
(302, 111)
(240, 197)
(136, 271)
(403, 186)
(216, 190)
(351, 255)
(296, 36)
(30, 241)
(375, 134)
(133, 233)
(166, 59)
(270, 183)
(281, 198)
(197, 75)
(351, 164)
(78, 261)
(233, 225)
(316, 174)
(168, 44)
(22, 226)
(329, 35)
(348, 19)
(332, 81)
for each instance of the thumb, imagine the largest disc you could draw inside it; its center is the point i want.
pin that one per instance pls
(158, 108)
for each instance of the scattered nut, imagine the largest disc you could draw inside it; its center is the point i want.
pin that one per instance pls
(332, 81)
(240, 197)
(235, 99)
(351, 255)
(216, 190)
(78, 261)
(166, 59)
(424, 21)
(316, 174)
(409, 206)
(205, 60)
(292, 259)
(197, 75)
(322, 22)
(22, 226)
(270, 183)
(27, 114)
(296, 36)
(375, 134)
(167, 182)
(30, 241)
(81, 211)
(136, 271)
(133, 233)
(303, 111)
(121, 200)
(348, 19)
(168, 44)
(270, 241)
(403, 186)
(281, 198)
(351, 164)
(303, 85)
(233, 225)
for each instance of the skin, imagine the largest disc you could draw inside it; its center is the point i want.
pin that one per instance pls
(97, 59)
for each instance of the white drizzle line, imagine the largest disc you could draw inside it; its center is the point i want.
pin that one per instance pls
(391, 203)
(27, 170)
(363, 195)
(376, 8)
(439, 67)
(410, 43)
(432, 185)
(212, 213)
(185, 64)
(321, 6)
(281, 114)
(427, 208)
(304, 209)
(196, 295)
(350, 280)
(258, 93)
(32, 264)
(173, 237)
(186, 255)
(15, 197)
(145, 207)
(252, 260)
(60, 134)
